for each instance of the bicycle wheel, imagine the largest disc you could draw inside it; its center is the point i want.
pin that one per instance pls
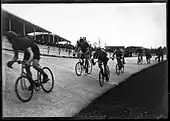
(89, 67)
(122, 69)
(48, 86)
(117, 69)
(108, 71)
(21, 89)
(78, 69)
(101, 79)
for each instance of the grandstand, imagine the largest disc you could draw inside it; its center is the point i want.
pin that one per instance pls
(48, 42)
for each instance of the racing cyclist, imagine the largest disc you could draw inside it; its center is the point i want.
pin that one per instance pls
(84, 47)
(101, 55)
(119, 56)
(31, 54)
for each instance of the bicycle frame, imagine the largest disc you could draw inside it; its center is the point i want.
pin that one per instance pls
(121, 62)
(23, 73)
(86, 60)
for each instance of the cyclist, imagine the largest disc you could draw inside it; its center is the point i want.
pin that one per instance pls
(140, 54)
(119, 56)
(84, 47)
(31, 54)
(101, 55)
(148, 55)
(159, 54)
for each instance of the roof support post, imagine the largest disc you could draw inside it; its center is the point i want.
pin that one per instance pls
(9, 24)
(53, 39)
(24, 29)
(48, 37)
(34, 34)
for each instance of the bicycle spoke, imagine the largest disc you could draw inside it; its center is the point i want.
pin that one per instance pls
(21, 89)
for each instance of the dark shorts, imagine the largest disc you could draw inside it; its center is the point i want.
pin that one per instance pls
(104, 61)
(35, 51)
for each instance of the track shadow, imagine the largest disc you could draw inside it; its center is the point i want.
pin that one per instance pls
(141, 93)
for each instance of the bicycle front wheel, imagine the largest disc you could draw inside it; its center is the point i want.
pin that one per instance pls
(89, 67)
(101, 79)
(117, 69)
(48, 86)
(78, 69)
(122, 69)
(21, 89)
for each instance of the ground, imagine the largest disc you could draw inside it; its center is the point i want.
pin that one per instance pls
(71, 93)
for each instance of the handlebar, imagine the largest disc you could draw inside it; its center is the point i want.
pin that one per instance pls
(22, 62)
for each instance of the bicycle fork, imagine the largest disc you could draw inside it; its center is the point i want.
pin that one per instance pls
(23, 82)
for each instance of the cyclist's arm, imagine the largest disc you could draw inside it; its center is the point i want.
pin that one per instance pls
(15, 57)
(88, 50)
(31, 55)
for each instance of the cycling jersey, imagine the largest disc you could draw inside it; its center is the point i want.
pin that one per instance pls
(24, 43)
(100, 55)
(118, 53)
(84, 46)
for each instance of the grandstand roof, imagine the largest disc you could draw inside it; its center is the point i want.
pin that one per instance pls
(56, 37)
(17, 24)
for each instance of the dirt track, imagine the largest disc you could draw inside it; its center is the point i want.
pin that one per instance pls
(143, 95)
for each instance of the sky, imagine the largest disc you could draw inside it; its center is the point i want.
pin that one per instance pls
(114, 24)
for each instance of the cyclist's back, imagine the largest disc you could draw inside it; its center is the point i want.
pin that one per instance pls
(118, 53)
(83, 45)
(101, 55)
(31, 53)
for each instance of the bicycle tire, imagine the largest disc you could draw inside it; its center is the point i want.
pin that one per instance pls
(122, 69)
(108, 71)
(52, 79)
(117, 69)
(101, 79)
(26, 88)
(78, 64)
(89, 70)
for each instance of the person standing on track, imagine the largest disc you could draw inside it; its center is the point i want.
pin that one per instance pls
(101, 55)
(31, 54)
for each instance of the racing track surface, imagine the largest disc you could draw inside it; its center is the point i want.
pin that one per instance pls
(71, 93)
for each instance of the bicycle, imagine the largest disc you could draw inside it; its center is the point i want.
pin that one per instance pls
(140, 60)
(119, 68)
(102, 77)
(24, 82)
(79, 67)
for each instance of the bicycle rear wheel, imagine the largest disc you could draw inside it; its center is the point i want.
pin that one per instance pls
(21, 89)
(101, 79)
(48, 86)
(117, 69)
(78, 69)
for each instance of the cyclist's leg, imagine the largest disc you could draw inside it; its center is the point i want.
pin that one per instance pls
(28, 71)
(105, 69)
(86, 63)
(39, 69)
(82, 58)
(119, 62)
(26, 58)
(123, 60)
(100, 66)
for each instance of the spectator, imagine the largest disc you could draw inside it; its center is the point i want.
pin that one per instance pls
(48, 50)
